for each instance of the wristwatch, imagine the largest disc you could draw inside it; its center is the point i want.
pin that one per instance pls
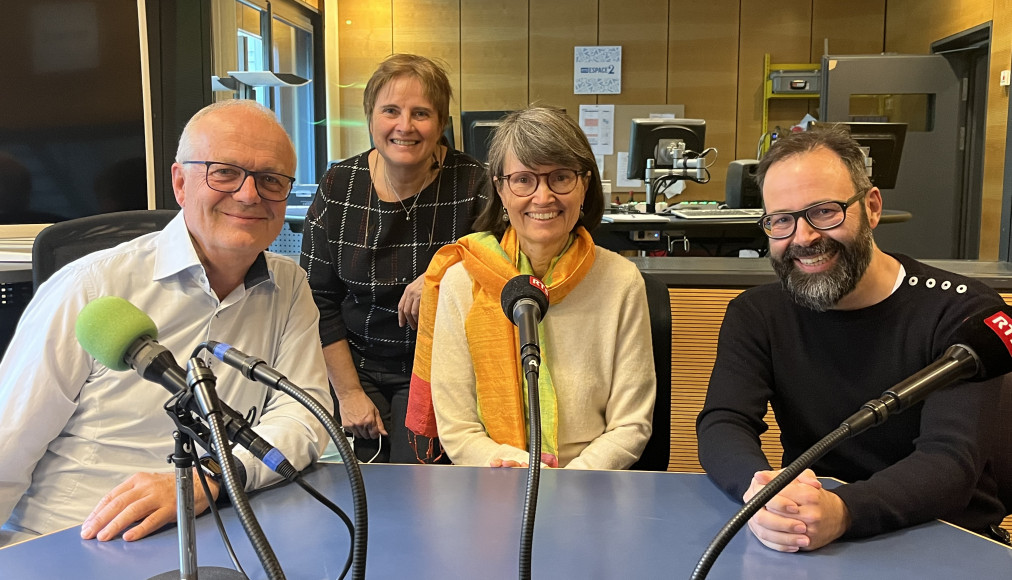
(211, 468)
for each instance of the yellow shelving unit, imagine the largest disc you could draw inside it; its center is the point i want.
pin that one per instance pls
(768, 93)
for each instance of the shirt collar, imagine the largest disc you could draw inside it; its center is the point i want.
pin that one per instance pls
(175, 254)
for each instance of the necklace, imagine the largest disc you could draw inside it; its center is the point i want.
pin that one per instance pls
(372, 187)
(390, 186)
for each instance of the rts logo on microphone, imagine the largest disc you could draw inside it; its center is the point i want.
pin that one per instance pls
(538, 284)
(1002, 326)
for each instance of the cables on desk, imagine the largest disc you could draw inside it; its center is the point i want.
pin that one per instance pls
(662, 183)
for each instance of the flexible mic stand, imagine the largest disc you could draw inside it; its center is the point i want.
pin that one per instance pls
(257, 369)
(350, 461)
(530, 360)
(200, 383)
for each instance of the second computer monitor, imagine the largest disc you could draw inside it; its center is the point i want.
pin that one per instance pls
(476, 128)
(885, 147)
(646, 134)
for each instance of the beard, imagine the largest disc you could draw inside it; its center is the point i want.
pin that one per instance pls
(822, 290)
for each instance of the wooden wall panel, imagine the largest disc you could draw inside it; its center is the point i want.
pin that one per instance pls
(551, 53)
(365, 39)
(854, 27)
(431, 28)
(996, 132)
(783, 30)
(696, 318)
(641, 29)
(911, 26)
(707, 57)
(332, 76)
(703, 76)
(494, 45)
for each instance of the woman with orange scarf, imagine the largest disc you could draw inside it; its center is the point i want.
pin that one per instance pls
(597, 385)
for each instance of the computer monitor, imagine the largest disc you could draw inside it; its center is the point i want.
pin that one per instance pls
(476, 131)
(885, 146)
(650, 138)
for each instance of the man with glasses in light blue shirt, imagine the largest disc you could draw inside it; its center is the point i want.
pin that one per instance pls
(83, 443)
(846, 322)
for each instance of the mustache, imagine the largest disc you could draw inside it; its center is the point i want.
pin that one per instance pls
(824, 245)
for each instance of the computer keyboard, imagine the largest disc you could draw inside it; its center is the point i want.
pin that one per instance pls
(634, 218)
(709, 213)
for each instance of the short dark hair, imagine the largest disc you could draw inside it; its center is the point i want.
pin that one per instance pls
(541, 136)
(430, 74)
(834, 138)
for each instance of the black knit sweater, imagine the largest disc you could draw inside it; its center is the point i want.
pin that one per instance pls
(816, 369)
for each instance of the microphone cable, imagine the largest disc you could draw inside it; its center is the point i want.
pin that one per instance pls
(216, 516)
(344, 517)
(249, 368)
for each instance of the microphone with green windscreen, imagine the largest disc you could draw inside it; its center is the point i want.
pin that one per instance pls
(108, 327)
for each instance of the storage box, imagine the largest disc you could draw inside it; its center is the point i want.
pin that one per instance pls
(795, 81)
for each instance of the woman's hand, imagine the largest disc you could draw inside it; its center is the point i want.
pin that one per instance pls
(360, 416)
(407, 308)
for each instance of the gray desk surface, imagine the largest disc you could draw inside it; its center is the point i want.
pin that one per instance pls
(429, 522)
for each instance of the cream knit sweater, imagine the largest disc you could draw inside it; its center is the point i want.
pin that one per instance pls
(599, 352)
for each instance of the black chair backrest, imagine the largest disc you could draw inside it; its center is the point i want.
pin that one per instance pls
(63, 242)
(658, 450)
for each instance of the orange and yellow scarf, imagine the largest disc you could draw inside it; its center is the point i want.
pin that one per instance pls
(492, 339)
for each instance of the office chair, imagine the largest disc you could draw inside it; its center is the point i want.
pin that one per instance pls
(63, 242)
(657, 453)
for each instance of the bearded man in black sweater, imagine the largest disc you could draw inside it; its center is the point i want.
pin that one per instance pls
(846, 322)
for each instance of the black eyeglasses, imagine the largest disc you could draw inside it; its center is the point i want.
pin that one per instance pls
(525, 183)
(825, 215)
(228, 178)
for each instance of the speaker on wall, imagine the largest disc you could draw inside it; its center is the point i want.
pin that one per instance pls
(741, 189)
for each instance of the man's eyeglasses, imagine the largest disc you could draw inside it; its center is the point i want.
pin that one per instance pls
(825, 215)
(525, 183)
(228, 178)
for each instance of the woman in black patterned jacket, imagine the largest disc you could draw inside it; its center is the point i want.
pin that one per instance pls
(377, 219)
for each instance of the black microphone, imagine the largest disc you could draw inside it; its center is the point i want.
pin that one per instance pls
(120, 336)
(525, 301)
(981, 350)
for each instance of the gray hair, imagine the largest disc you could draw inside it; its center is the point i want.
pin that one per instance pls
(835, 139)
(185, 149)
(541, 136)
